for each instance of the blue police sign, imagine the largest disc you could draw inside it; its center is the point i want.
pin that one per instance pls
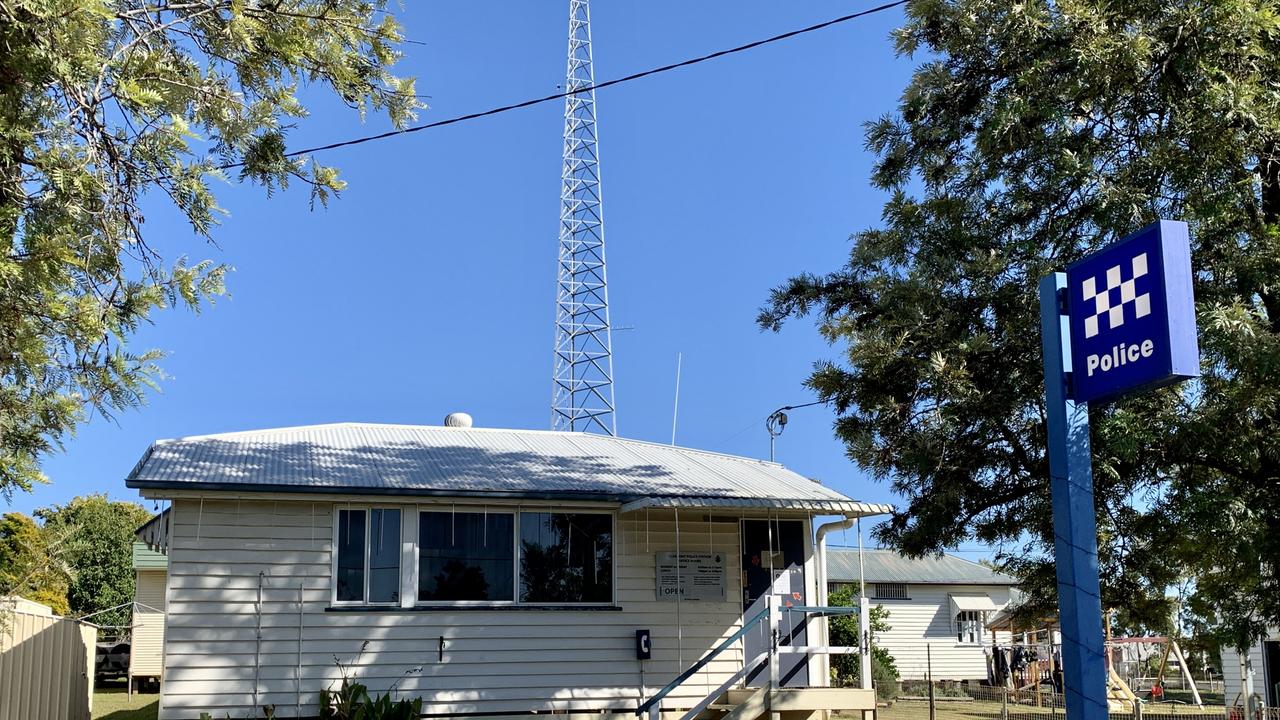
(1130, 326)
(1132, 315)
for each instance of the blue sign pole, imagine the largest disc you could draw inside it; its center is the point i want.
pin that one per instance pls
(1074, 523)
(1119, 321)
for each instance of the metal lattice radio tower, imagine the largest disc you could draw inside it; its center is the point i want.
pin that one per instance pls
(583, 379)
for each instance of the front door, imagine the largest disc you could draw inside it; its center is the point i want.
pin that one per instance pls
(773, 562)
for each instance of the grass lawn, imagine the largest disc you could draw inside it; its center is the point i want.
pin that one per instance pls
(951, 710)
(111, 702)
(985, 710)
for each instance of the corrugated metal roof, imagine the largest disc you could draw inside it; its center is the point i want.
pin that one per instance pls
(144, 558)
(889, 566)
(1004, 620)
(430, 460)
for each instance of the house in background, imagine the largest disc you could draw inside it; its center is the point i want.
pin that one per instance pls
(941, 602)
(150, 566)
(486, 571)
(1263, 661)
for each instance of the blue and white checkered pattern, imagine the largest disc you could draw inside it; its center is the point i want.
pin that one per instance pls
(1118, 293)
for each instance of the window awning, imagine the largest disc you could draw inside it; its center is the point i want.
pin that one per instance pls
(980, 603)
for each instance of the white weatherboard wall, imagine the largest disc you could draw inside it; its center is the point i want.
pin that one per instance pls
(146, 653)
(494, 660)
(1231, 672)
(926, 619)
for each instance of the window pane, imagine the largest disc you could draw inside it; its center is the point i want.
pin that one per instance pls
(350, 556)
(566, 557)
(969, 626)
(891, 591)
(466, 556)
(384, 556)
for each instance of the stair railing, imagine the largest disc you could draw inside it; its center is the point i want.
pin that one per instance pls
(653, 706)
(771, 614)
(820, 649)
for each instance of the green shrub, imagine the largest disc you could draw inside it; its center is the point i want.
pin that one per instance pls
(950, 688)
(352, 700)
(942, 689)
(844, 630)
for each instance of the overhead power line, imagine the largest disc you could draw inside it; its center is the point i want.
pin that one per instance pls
(590, 88)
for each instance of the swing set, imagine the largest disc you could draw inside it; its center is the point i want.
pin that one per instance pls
(1121, 694)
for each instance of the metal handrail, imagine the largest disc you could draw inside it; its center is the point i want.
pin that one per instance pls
(746, 669)
(746, 627)
(819, 610)
(693, 669)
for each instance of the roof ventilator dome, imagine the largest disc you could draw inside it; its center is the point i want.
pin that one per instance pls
(458, 420)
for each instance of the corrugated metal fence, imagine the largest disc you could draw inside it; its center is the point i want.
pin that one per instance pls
(46, 667)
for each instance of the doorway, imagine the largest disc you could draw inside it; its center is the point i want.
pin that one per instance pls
(1271, 672)
(773, 563)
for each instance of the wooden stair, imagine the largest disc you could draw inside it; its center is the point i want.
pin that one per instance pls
(789, 703)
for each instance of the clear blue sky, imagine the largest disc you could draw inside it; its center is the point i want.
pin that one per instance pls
(428, 287)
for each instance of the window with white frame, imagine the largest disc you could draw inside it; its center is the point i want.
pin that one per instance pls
(969, 626)
(473, 556)
(367, 567)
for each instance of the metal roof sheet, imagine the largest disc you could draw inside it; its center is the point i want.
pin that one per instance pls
(144, 558)
(431, 460)
(890, 566)
(1004, 620)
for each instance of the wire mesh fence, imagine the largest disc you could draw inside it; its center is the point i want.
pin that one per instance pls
(951, 700)
(1237, 712)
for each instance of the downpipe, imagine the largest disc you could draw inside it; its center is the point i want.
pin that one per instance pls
(864, 608)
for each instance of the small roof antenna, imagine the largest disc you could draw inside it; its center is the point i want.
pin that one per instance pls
(777, 422)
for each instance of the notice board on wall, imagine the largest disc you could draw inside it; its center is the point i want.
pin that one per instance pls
(691, 576)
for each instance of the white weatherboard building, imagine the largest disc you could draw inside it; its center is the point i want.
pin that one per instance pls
(941, 602)
(146, 639)
(485, 571)
(1263, 662)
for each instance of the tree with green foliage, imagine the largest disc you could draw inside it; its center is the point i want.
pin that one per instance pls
(99, 553)
(107, 103)
(1031, 134)
(31, 563)
(845, 630)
